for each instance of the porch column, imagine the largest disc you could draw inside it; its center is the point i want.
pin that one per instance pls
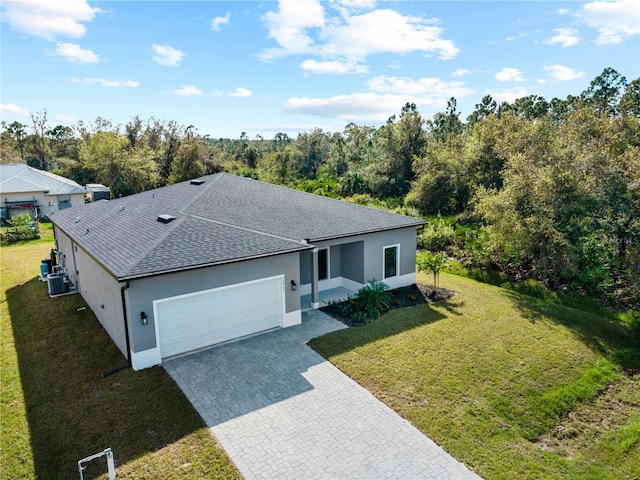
(315, 297)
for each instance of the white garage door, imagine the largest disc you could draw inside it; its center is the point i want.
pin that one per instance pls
(192, 321)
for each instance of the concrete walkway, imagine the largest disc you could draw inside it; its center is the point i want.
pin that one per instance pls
(282, 412)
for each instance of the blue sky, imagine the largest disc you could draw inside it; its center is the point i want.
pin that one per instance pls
(292, 65)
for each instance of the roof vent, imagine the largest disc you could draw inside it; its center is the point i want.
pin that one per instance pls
(121, 209)
(76, 220)
(197, 182)
(164, 218)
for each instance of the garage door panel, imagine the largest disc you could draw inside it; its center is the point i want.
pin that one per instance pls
(195, 321)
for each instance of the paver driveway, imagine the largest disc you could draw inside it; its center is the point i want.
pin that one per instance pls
(281, 411)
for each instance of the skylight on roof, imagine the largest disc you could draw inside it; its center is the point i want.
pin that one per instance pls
(197, 182)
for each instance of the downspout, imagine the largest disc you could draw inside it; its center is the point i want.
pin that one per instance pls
(126, 334)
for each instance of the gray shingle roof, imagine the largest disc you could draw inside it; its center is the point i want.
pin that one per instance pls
(22, 178)
(225, 219)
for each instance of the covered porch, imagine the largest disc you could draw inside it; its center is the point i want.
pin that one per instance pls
(337, 294)
(331, 272)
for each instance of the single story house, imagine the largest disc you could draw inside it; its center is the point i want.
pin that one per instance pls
(179, 268)
(25, 189)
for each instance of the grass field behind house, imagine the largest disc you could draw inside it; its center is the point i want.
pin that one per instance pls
(514, 387)
(55, 408)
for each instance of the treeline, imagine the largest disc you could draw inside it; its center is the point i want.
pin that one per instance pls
(535, 189)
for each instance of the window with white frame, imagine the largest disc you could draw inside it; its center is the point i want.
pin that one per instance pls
(391, 261)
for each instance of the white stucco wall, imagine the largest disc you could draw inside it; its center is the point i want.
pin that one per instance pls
(46, 203)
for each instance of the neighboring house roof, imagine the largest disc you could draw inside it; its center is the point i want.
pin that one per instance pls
(224, 219)
(25, 179)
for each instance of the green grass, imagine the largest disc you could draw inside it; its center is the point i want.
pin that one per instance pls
(493, 376)
(55, 408)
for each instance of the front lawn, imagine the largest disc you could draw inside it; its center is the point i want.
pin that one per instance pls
(512, 386)
(55, 408)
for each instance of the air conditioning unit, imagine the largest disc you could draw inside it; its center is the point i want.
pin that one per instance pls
(56, 283)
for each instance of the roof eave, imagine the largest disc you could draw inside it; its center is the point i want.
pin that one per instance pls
(417, 223)
(212, 264)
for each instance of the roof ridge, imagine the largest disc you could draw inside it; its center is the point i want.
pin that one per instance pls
(161, 238)
(44, 189)
(247, 229)
(216, 177)
(175, 224)
(336, 200)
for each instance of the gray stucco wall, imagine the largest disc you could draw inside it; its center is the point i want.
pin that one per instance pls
(373, 252)
(99, 289)
(335, 264)
(353, 255)
(360, 258)
(305, 267)
(142, 292)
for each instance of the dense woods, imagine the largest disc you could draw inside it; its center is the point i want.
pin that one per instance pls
(539, 190)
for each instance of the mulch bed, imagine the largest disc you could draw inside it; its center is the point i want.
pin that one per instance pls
(416, 294)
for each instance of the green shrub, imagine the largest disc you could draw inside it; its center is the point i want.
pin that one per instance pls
(21, 227)
(432, 263)
(372, 299)
(436, 236)
(346, 308)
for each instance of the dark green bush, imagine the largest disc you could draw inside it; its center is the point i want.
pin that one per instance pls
(20, 227)
(372, 299)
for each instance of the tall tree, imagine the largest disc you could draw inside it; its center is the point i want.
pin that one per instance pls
(188, 163)
(630, 102)
(17, 131)
(605, 91)
(486, 107)
(40, 145)
(402, 140)
(445, 127)
(312, 151)
(63, 142)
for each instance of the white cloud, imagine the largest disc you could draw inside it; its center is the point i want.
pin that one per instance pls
(510, 95)
(65, 118)
(519, 36)
(562, 73)
(166, 55)
(460, 72)
(288, 27)
(217, 22)
(306, 27)
(187, 91)
(345, 7)
(615, 21)
(334, 67)
(12, 109)
(358, 107)
(386, 97)
(74, 53)
(386, 31)
(509, 74)
(567, 37)
(562, 11)
(241, 92)
(430, 90)
(49, 19)
(103, 82)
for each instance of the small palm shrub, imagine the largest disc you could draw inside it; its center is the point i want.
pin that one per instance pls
(372, 299)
